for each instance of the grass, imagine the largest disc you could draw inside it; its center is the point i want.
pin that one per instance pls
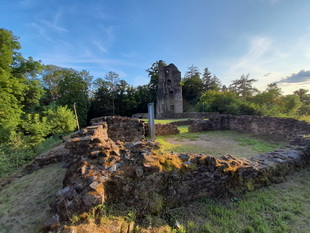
(24, 203)
(218, 143)
(280, 208)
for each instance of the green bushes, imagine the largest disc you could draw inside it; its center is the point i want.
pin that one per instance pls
(37, 133)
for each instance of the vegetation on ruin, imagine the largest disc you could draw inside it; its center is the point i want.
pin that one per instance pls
(278, 208)
(217, 143)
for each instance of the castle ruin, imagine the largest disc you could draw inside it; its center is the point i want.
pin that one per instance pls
(169, 93)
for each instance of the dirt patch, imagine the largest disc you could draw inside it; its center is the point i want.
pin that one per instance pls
(24, 202)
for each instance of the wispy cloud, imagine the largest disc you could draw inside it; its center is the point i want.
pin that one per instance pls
(41, 30)
(258, 49)
(100, 46)
(54, 23)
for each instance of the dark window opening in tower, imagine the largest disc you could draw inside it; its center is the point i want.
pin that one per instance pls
(168, 82)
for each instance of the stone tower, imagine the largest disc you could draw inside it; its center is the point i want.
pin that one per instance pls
(169, 93)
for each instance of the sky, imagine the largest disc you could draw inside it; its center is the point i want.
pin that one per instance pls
(268, 39)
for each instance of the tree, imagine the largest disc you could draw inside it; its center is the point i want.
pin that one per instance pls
(113, 81)
(74, 88)
(291, 104)
(210, 82)
(225, 102)
(193, 71)
(192, 88)
(153, 73)
(18, 91)
(303, 95)
(243, 87)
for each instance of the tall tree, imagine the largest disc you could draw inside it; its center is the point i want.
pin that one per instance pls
(210, 82)
(153, 73)
(192, 88)
(243, 87)
(18, 91)
(303, 95)
(113, 82)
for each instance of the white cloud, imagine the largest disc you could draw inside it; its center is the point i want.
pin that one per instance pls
(275, 57)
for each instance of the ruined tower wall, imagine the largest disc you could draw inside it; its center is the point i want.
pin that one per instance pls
(169, 93)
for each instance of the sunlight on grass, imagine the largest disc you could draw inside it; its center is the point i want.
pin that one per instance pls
(259, 145)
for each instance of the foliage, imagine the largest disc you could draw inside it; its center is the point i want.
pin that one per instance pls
(209, 82)
(17, 152)
(191, 89)
(18, 91)
(225, 102)
(243, 87)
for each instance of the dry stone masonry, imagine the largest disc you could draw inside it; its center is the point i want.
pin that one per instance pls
(169, 92)
(285, 128)
(140, 176)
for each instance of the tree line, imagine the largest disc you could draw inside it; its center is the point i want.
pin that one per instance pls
(36, 100)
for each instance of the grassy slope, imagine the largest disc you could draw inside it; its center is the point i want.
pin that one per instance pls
(24, 203)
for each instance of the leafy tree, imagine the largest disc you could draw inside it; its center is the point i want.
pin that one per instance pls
(210, 82)
(51, 76)
(191, 89)
(18, 91)
(243, 87)
(303, 95)
(60, 120)
(143, 96)
(153, 73)
(113, 82)
(291, 104)
(225, 102)
(73, 88)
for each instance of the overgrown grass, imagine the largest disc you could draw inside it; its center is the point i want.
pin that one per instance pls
(24, 203)
(13, 157)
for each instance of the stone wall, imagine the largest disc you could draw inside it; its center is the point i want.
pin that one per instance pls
(140, 176)
(192, 115)
(163, 129)
(140, 115)
(284, 128)
(124, 129)
(132, 174)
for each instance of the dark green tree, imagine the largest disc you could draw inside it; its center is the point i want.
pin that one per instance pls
(243, 87)
(210, 82)
(192, 88)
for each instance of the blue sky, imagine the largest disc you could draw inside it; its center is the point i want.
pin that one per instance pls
(270, 39)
